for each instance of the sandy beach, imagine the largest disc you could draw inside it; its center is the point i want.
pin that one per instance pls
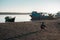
(30, 30)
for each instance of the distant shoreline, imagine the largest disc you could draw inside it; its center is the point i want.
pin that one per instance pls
(8, 13)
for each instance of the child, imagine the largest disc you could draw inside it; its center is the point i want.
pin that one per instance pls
(43, 26)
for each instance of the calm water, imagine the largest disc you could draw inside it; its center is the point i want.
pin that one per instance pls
(19, 18)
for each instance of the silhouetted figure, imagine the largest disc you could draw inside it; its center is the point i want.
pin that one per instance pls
(9, 19)
(43, 26)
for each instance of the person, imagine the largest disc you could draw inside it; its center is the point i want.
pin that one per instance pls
(43, 26)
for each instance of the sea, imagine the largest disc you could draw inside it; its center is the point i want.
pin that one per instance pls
(19, 18)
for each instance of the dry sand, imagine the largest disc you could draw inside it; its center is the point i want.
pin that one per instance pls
(30, 30)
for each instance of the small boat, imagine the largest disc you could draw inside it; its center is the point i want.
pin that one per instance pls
(9, 19)
(39, 16)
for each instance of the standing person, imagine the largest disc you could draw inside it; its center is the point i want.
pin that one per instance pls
(43, 26)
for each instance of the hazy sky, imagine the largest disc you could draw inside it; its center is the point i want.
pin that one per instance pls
(50, 6)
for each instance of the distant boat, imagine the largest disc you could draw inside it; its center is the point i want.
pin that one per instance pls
(39, 16)
(9, 19)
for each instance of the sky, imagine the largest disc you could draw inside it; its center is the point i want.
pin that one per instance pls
(50, 6)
